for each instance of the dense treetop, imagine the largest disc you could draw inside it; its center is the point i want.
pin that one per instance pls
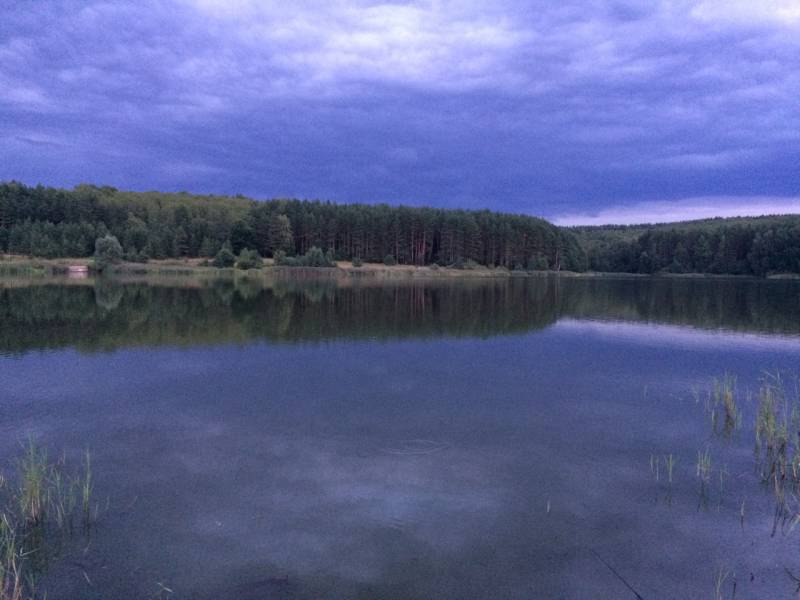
(738, 246)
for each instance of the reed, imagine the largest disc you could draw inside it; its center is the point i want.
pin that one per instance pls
(704, 465)
(722, 405)
(86, 487)
(721, 575)
(38, 506)
(11, 576)
(35, 486)
(655, 468)
(669, 461)
(777, 436)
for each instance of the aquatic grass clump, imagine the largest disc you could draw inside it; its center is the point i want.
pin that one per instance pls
(34, 491)
(722, 405)
(703, 471)
(721, 575)
(703, 468)
(669, 466)
(663, 473)
(38, 511)
(669, 462)
(86, 489)
(11, 580)
(777, 434)
(777, 448)
(725, 394)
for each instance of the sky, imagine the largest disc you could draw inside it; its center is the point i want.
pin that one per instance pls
(580, 111)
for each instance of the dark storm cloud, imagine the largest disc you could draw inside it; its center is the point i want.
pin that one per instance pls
(567, 110)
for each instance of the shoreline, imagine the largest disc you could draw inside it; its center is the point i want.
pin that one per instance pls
(20, 266)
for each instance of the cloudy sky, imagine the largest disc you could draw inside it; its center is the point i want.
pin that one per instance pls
(576, 110)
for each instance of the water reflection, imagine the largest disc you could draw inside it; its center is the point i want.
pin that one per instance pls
(107, 314)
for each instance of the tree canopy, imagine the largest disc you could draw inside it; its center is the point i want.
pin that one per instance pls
(739, 246)
(50, 222)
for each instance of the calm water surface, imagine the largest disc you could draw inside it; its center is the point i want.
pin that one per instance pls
(471, 439)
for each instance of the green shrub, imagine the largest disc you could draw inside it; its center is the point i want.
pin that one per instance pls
(357, 262)
(389, 260)
(314, 257)
(225, 257)
(249, 259)
(107, 252)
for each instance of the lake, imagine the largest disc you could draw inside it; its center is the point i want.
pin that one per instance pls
(320, 438)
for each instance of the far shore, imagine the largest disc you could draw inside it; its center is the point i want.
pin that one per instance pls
(17, 266)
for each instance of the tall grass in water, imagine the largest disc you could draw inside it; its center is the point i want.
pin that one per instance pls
(34, 490)
(38, 509)
(669, 465)
(722, 404)
(703, 467)
(704, 470)
(669, 462)
(12, 586)
(777, 434)
(721, 575)
(86, 490)
(777, 447)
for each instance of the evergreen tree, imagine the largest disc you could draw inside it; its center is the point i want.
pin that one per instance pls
(280, 233)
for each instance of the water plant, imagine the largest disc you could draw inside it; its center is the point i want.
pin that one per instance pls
(34, 491)
(669, 461)
(654, 466)
(11, 581)
(703, 466)
(722, 406)
(669, 466)
(38, 508)
(721, 575)
(776, 432)
(86, 488)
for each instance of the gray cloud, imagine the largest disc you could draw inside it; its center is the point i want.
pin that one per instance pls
(534, 107)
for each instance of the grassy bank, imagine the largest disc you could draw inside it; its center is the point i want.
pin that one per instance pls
(22, 266)
(19, 266)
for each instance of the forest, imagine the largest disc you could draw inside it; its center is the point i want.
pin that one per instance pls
(49, 222)
(736, 246)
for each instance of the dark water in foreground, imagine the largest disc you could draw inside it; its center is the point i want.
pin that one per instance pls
(471, 439)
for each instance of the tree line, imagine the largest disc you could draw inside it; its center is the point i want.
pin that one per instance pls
(740, 246)
(49, 222)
